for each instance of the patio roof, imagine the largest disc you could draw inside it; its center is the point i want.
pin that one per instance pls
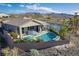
(23, 22)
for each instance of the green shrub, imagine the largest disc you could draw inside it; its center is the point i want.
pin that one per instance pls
(63, 31)
(39, 40)
(14, 35)
(53, 30)
(28, 41)
(20, 41)
(34, 52)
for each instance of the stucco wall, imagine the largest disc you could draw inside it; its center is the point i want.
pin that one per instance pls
(9, 27)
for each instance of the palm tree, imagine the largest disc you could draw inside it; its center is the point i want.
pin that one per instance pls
(76, 20)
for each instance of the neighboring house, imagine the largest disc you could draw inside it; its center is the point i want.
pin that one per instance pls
(24, 26)
(0, 22)
(4, 15)
(0, 25)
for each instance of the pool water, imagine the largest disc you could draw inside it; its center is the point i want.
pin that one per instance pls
(45, 37)
(48, 37)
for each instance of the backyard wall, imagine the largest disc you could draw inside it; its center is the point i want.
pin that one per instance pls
(28, 46)
(40, 45)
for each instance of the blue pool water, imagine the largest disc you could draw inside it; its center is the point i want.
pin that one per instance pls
(45, 37)
(48, 36)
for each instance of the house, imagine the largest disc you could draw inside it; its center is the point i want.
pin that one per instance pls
(24, 26)
(0, 22)
(4, 15)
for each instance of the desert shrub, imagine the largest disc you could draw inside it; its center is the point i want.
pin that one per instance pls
(28, 41)
(14, 35)
(24, 41)
(36, 41)
(10, 52)
(34, 52)
(33, 40)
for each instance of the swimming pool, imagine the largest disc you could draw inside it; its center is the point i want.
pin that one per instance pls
(47, 36)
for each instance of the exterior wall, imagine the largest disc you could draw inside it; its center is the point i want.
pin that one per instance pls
(8, 27)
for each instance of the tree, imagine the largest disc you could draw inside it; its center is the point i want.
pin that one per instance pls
(63, 31)
(73, 23)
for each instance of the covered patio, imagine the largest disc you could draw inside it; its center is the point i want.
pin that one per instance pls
(23, 31)
(32, 27)
(24, 26)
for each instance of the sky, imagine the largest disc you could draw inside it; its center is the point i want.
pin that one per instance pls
(16, 8)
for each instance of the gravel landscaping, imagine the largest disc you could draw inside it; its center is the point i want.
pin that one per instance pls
(71, 49)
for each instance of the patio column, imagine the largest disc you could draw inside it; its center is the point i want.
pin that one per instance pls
(40, 28)
(16, 30)
(20, 31)
(24, 30)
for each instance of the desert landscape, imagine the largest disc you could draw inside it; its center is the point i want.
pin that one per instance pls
(64, 25)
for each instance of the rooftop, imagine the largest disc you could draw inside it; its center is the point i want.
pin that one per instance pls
(3, 14)
(24, 22)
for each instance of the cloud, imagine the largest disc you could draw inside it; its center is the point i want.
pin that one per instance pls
(4, 4)
(72, 12)
(40, 9)
(9, 5)
(22, 5)
(76, 11)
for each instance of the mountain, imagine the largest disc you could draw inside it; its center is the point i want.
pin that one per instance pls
(40, 15)
(60, 15)
(52, 14)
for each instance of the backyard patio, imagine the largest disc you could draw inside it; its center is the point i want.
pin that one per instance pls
(24, 26)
